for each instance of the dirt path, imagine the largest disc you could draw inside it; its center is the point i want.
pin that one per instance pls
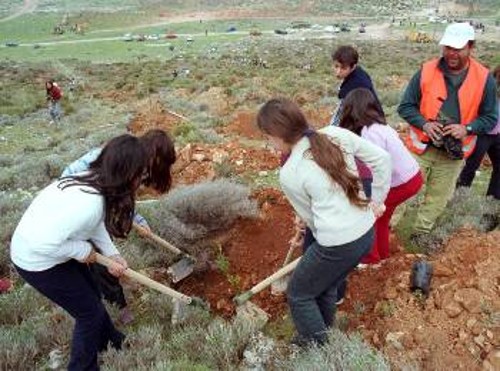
(28, 7)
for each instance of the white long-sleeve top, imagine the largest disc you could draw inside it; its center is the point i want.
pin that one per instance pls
(57, 226)
(321, 203)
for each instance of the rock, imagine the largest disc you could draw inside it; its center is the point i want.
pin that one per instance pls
(462, 335)
(495, 338)
(470, 299)
(219, 157)
(199, 157)
(451, 307)
(258, 352)
(476, 329)
(441, 270)
(471, 322)
(239, 162)
(376, 339)
(390, 293)
(56, 359)
(393, 339)
(489, 334)
(494, 360)
(479, 340)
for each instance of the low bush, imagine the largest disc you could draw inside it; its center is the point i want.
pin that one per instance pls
(189, 215)
(342, 352)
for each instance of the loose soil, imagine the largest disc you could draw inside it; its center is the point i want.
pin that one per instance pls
(254, 249)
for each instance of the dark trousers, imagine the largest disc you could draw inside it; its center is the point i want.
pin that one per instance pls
(71, 286)
(108, 285)
(312, 291)
(308, 241)
(485, 144)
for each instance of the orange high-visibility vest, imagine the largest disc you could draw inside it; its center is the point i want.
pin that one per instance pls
(434, 93)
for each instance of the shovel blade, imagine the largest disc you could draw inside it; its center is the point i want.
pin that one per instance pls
(251, 315)
(180, 270)
(279, 287)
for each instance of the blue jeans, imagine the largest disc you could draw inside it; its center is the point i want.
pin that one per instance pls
(70, 286)
(312, 291)
(55, 110)
(308, 241)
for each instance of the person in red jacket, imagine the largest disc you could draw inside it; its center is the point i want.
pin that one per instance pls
(54, 95)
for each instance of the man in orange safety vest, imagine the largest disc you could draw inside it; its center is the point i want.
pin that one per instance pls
(449, 100)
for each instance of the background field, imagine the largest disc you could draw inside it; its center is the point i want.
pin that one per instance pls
(221, 78)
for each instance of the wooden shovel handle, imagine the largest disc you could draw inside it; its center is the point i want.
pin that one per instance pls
(275, 276)
(156, 239)
(146, 281)
(293, 243)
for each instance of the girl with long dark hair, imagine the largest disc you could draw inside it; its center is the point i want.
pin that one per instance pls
(361, 116)
(57, 236)
(160, 156)
(320, 180)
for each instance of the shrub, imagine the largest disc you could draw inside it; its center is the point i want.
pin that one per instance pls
(191, 214)
(12, 206)
(466, 208)
(342, 352)
(219, 346)
(20, 305)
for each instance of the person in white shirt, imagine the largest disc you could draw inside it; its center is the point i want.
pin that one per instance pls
(160, 153)
(54, 242)
(320, 180)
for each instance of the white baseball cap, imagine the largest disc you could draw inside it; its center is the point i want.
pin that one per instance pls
(457, 35)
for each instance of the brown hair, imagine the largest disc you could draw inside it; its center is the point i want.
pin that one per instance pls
(360, 108)
(282, 118)
(160, 154)
(115, 174)
(346, 55)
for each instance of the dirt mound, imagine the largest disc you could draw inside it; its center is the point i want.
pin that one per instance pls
(457, 327)
(253, 249)
(216, 100)
(244, 124)
(151, 115)
(319, 117)
(204, 162)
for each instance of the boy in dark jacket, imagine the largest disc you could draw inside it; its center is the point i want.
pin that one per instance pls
(345, 67)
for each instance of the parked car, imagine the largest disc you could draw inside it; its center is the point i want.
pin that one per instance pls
(280, 32)
(11, 43)
(171, 35)
(128, 37)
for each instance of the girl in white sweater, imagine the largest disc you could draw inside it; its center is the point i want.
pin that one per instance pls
(320, 180)
(55, 239)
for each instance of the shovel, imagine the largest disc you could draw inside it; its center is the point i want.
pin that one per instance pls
(177, 271)
(247, 311)
(279, 286)
(180, 300)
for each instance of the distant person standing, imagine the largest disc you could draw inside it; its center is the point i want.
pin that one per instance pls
(488, 143)
(54, 95)
(458, 87)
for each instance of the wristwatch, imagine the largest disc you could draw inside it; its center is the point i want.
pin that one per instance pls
(469, 129)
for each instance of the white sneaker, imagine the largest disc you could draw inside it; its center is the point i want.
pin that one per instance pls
(362, 266)
(51, 122)
(340, 301)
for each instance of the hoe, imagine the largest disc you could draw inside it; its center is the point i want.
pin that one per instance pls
(248, 311)
(177, 271)
(180, 301)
